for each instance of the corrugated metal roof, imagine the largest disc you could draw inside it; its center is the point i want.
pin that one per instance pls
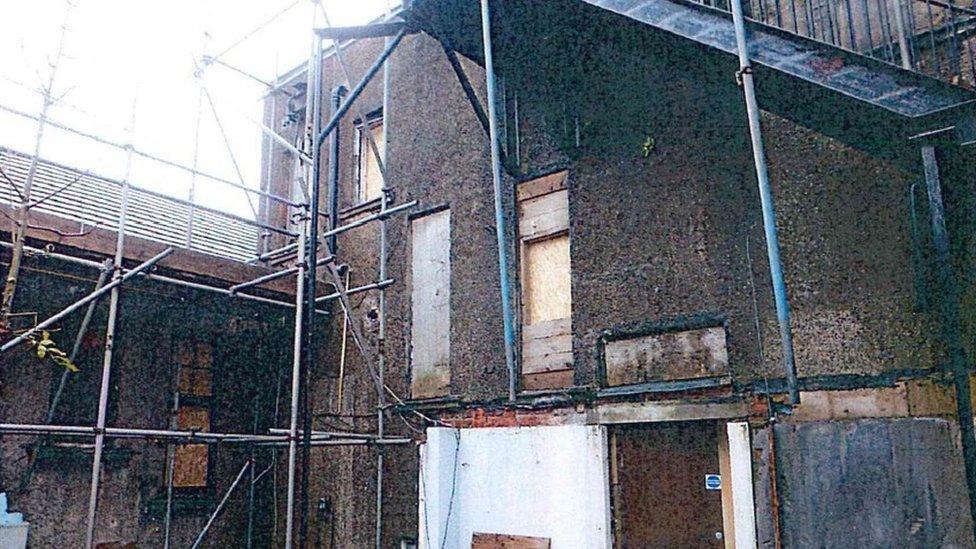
(96, 200)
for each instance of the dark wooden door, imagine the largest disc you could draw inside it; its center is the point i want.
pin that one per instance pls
(660, 500)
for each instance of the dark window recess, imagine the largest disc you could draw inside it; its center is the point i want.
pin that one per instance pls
(369, 180)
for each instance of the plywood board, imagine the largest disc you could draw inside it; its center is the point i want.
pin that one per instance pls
(506, 541)
(196, 381)
(663, 501)
(872, 483)
(546, 482)
(430, 298)
(687, 354)
(546, 285)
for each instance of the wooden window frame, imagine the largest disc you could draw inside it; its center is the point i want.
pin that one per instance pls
(557, 225)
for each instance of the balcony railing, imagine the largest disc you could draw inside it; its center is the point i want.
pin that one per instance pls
(933, 37)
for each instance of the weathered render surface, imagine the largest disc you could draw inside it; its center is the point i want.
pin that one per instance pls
(153, 319)
(665, 234)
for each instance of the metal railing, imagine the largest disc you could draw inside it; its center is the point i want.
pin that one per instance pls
(932, 37)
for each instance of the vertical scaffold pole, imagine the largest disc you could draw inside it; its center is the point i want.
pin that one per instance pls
(948, 289)
(296, 370)
(381, 344)
(113, 311)
(311, 262)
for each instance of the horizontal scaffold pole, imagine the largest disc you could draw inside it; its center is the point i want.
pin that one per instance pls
(369, 219)
(276, 275)
(137, 152)
(193, 437)
(158, 278)
(85, 300)
(357, 290)
(375, 30)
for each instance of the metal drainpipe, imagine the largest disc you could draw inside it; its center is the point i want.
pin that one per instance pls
(766, 199)
(951, 329)
(500, 229)
(333, 244)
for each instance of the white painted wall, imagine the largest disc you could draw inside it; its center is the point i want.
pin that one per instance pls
(534, 481)
(743, 506)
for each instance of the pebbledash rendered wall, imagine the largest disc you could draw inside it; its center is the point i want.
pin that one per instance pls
(153, 318)
(658, 236)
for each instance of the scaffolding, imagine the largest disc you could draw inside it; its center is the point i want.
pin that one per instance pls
(310, 241)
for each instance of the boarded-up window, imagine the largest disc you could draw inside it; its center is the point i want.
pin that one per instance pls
(688, 354)
(190, 461)
(369, 177)
(430, 298)
(195, 386)
(547, 346)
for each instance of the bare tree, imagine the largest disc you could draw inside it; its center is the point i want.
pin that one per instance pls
(21, 215)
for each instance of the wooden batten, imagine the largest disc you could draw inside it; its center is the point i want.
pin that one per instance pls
(542, 185)
(506, 541)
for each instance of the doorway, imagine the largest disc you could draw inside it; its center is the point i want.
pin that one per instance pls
(667, 484)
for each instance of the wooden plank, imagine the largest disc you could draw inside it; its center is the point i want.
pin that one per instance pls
(725, 471)
(506, 541)
(544, 215)
(741, 483)
(853, 404)
(548, 363)
(542, 185)
(652, 412)
(688, 354)
(547, 346)
(547, 329)
(558, 379)
(430, 301)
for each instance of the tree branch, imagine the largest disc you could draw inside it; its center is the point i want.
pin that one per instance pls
(13, 185)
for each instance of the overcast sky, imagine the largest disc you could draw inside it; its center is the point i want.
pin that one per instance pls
(120, 51)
